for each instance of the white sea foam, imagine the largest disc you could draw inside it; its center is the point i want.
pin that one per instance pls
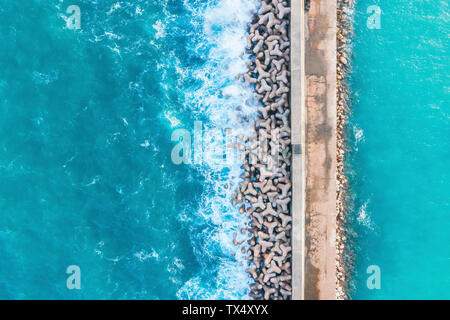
(139, 11)
(218, 97)
(358, 133)
(114, 7)
(364, 217)
(160, 29)
(169, 115)
(144, 255)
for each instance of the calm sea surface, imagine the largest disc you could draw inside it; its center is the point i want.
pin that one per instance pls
(399, 164)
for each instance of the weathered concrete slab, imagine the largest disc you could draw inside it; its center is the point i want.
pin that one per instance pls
(320, 197)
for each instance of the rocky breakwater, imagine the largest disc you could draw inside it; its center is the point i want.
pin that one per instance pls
(264, 194)
(344, 235)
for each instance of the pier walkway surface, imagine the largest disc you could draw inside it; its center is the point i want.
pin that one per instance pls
(313, 122)
(297, 139)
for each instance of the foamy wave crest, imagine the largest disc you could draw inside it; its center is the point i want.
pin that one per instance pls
(359, 138)
(221, 101)
(364, 218)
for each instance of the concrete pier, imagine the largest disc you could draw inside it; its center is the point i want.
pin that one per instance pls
(320, 193)
(313, 122)
(297, 99)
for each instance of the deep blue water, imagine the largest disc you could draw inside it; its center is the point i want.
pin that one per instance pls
(86, 119)
(399, 162)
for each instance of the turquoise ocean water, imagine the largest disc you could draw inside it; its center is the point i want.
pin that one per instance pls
(86, 119)
(400, 149)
